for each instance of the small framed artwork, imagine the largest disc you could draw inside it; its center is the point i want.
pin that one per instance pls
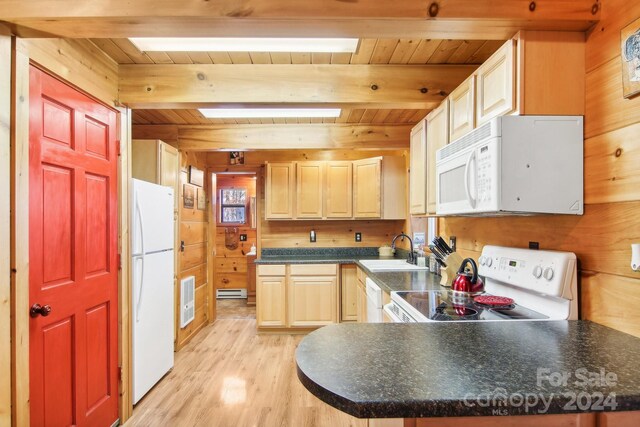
(630, 37)
(196, 176)
(202, 200)
(188, 196)
(236, 158)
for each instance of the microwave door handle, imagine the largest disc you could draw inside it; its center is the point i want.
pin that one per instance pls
(467, 176)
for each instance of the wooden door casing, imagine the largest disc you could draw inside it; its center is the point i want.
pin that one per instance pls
(73, 256)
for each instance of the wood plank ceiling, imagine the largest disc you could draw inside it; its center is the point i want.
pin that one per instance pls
(370, 51)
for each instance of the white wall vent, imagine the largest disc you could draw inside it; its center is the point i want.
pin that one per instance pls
(187, 300)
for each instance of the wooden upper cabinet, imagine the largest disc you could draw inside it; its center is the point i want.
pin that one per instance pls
(170, 168)
(418, 169)
(380, 188)
(279, 191)
(366, 188)
(496, 84)
(153, 160)
(462, 109)
(437, 137)
(339, 189)
(309, 189)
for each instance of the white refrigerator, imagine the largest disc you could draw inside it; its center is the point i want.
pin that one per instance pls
(152, 285)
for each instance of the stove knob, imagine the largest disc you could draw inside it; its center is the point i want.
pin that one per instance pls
(548, 273)
(488, 261)
(537, 271)
(481, 260)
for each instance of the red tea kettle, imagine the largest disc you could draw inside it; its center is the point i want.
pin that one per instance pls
(468, 282)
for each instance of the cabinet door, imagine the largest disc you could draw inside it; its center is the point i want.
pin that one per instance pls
(279, 189)
(270, 310)
(417, 171)
(339, 195)
(312, 300)
(462, 109)
(309, 189)
(366, 188)
(349, 296)
(361, 297)
(144, 159)
(169, 168)
(495, 84)
(437, 137)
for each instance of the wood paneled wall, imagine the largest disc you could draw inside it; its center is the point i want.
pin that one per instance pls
(193, 260)
(231, 264)
(610, 290)
(285, 234)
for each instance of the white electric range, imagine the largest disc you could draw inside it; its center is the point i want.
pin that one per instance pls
(542, 284)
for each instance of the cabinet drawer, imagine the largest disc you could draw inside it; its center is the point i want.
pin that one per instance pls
(271, 270)
(313, 269)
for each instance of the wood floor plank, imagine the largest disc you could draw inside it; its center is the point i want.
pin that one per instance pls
(230, 376)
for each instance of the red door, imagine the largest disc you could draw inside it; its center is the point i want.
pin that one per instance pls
(73, 257)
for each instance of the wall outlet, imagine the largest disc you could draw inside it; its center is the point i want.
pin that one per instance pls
(312, 236)
(635, 256)
(534, 245)
(358, 237)
(243, 237)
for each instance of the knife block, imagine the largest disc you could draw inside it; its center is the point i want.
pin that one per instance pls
(449, 273)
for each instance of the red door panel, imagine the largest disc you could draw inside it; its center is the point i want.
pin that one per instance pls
(73, 255)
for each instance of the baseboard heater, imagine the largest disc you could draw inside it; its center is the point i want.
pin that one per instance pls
(231, 293)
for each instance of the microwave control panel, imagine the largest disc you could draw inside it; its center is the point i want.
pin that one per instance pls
(485, 180)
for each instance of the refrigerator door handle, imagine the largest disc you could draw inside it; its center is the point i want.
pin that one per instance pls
(139, 215)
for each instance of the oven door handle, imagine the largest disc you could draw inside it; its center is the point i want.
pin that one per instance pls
(467, 176)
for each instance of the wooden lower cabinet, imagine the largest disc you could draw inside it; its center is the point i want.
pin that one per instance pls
(271, 296)
(296, 296)
(361, 296)
(312, 300)
(348, 293)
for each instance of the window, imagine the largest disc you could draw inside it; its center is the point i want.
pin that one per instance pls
(233, 205)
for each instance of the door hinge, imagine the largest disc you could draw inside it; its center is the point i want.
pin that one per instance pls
(119, 373)
(118, 147)
(119, 262)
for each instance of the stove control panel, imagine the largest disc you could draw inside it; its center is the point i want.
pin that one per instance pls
(545, 272)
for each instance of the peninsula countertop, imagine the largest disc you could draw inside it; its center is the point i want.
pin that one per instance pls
(412, 370)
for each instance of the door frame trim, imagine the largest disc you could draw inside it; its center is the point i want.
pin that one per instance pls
(19, 130)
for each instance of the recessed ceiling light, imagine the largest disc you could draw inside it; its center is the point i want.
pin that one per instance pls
(235, 44)
(263, 113)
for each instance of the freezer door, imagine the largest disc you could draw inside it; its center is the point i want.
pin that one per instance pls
(153, 317)
(152, 217)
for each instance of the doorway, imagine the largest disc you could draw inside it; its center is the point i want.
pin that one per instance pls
(73, 251)
(236, 240)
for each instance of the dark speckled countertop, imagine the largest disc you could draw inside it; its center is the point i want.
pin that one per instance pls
(388, 280)
(406, 370)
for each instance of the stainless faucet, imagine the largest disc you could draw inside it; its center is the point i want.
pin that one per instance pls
(411, 259)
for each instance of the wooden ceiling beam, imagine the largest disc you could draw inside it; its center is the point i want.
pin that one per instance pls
(468, 19)
(404, 86)
(278, 136)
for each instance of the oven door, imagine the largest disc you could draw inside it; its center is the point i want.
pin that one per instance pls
(467, 182)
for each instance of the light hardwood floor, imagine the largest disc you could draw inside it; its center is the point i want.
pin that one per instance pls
(230, 376)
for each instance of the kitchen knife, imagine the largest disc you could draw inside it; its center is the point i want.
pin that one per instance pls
(440, 246)
(436, 251)
(445, 245)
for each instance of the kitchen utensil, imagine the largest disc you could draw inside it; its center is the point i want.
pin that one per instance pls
(444, 244)
(468, 283)
(493, 300)
(437, 252)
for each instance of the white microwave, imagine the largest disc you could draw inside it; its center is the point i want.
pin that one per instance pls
(513, 165)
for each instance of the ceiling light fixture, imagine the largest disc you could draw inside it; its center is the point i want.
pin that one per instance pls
(236, 44)
(264, 113)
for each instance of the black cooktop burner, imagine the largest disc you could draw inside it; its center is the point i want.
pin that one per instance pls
(441, 306)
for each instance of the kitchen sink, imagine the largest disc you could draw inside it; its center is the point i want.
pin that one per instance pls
(390, 265)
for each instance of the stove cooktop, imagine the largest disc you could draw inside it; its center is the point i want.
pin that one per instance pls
(442, 305)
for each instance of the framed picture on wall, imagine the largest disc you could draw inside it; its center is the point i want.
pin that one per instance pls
(188, 196)
(236, 158)
(196, 176)
(630, 37)
(202, 201)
